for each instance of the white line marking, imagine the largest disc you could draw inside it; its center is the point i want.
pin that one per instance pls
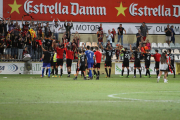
(132, 99)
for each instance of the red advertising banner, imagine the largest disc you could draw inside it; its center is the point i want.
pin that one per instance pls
(125, 11)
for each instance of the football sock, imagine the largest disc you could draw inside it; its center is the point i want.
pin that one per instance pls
(61, 72)
(106, 71)
(53, 71)
(109, 72)
(146, 71)
(42, 72)
(174, 72)
(90, 73)
(134, 72)
(167, 75)
(158, 77)
(157, 72)
(140, 72)
(82, 73)
(149, 72)
(46, 71)
(122, 72)
(49, 71)
(94, 72)
(68, 73)
(56, 69)
(128, 72)
(98, 73)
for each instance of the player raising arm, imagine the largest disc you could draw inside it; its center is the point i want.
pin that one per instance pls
(81, 64)
(108, 62)
(125, 61)
(137, 62)
(46, 60)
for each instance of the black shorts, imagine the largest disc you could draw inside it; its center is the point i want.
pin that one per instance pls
(137, 63)
(1, 51)
(157, 65)
(97, 65)
(147, 65)
(108, 63)
(125, 64)
(82, 68)
(59, 62)
(68, 62)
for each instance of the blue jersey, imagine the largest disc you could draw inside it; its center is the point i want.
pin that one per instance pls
(89, 55)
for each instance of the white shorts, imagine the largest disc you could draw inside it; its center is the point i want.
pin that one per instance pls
(163, 67)
(168, 38)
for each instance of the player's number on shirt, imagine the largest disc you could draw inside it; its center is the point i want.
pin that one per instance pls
(138, 56)
(109, 53)
(126, 55)
(147, 57)
(90, 55)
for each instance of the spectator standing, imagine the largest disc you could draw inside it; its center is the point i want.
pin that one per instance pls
(144, 30)
(25, 28)
(8, 47)
(47, 31)
(1, 28)
(68, 29)
(14, 49)
(5, 28)
(148, 44)
(1, 46)
(139, 38)
(56, 28)
(173, 33)
(11, 26)
(100, 36)
(114, 35)
(168, 34)
(120, 33)
(109, 36)
(76, 38)
(39, 30)
(28, 42)
(20, 47)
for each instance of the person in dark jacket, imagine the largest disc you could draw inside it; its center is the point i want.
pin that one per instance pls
(68, 29)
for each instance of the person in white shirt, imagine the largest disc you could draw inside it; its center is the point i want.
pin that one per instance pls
(109, 36)
(163, 66)
(56, 28)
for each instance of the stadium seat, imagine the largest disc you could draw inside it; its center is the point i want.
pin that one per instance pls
(114, 57)
(176, 51)
(177, 45)
(172, 51)
(113, 45)
(159, 51)
(160, 45)
(175, 57)
(154, 45)
(152, 58)
(88, 44)
(94, 44)
(164, 50)
(80, 44)
(166, 45)
(152, 51)
(172, 45)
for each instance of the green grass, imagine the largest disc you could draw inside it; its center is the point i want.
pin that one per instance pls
(29, 97)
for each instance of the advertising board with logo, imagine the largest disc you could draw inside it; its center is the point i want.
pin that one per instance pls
(118, 69)
(129, 11)
(18, 68)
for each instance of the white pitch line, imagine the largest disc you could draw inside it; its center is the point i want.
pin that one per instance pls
(61, 102)
(114, 96)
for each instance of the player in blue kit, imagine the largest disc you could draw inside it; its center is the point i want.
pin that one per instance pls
(46, 60)
(90, 61)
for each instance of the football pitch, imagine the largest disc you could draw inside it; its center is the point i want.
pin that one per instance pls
(30, 97)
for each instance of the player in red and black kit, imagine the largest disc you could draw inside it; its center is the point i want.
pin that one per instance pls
(157, 57)
(97, 56)
(125, 61)
(172, 61)
(147, 57)
(60, 53)
(69, 58)
(137, 62)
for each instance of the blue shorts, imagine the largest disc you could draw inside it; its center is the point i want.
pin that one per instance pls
(90, 65)
(46, 64)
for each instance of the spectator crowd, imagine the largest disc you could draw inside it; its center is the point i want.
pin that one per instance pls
(16, 41)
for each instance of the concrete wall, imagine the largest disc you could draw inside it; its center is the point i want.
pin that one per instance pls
(127, 38)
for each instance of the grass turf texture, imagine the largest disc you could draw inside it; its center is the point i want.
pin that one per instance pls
(29, 97)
